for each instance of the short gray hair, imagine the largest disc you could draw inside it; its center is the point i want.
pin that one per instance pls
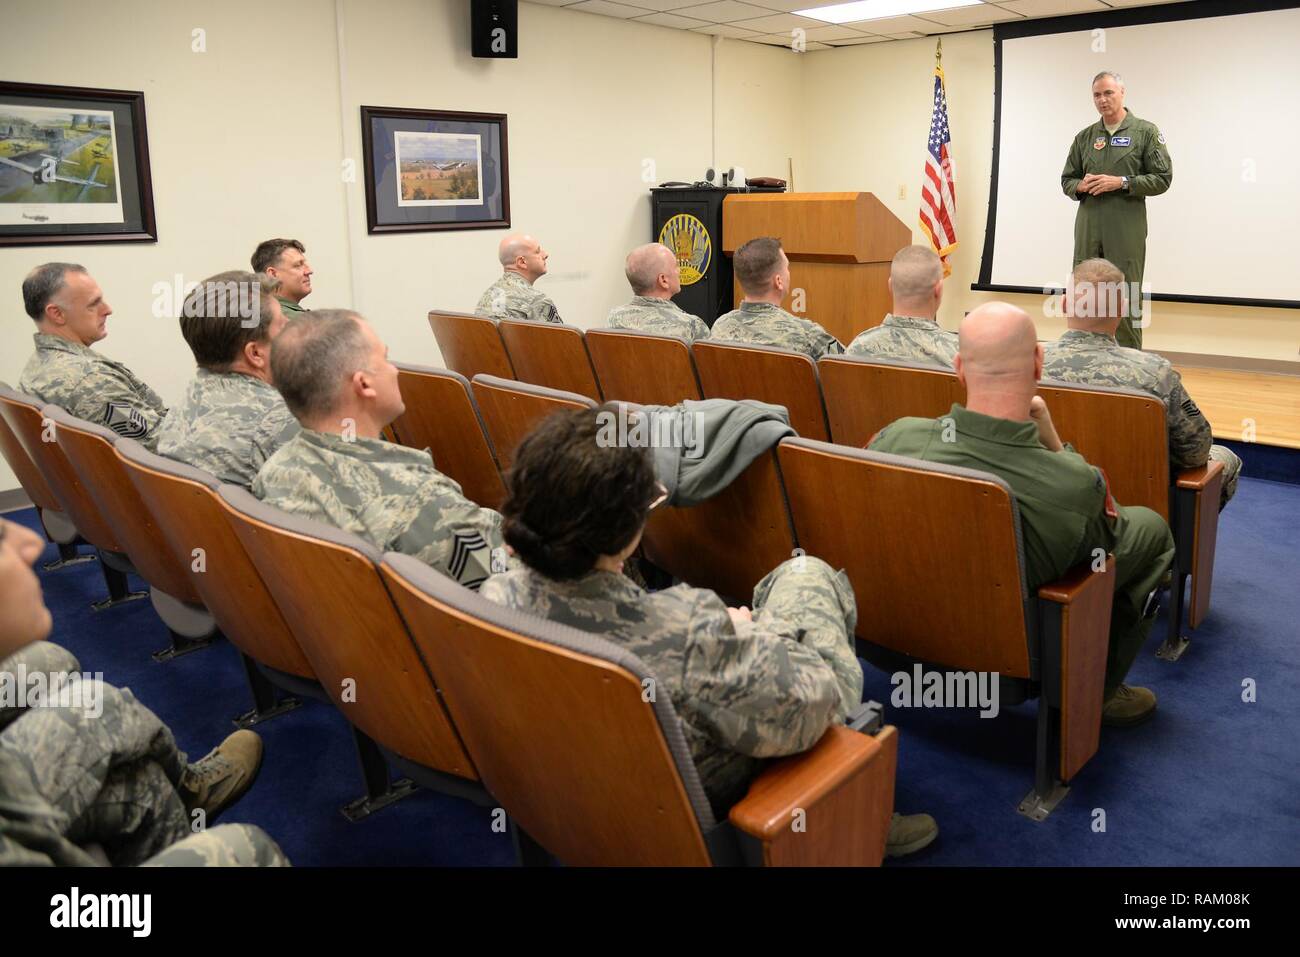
(313, 356)
(642, 268)
(914, 271)
(43, 284)
(1099, 283)
(1114, 76)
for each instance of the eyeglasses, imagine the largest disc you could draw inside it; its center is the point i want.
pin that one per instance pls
(660, 497)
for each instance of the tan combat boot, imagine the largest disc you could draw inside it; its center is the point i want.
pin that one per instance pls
(223, 775)
(1127, 706)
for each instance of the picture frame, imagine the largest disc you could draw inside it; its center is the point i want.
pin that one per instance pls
(74, 166)
(429, 170)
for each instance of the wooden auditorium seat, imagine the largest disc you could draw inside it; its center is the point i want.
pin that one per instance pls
(1125, 433)
(863, 395)
(641, 367)
(511, 409)
(102, 473)
(935, 557)
(558, 725)
(470, 344)
(327, 586)
(58, 527)
(193, 521)
(26, 419)
(550, 354)
(441, 416)
(730, 370)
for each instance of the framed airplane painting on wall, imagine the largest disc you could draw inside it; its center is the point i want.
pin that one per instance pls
(434, 169)
(74, 166)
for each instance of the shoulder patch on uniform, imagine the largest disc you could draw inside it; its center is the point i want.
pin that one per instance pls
(125, 420)
(1160, 138)
(468, 547)
(1190, 407)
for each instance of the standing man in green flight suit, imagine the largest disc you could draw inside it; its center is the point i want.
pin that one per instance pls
(1113, 166)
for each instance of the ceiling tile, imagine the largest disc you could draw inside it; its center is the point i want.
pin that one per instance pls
(1052, 8)
(859, 41)
(890, 25)
(834, 33)
(724, 11)
(965, 16)
(726, 30)
(1138, 3)
(607, 9)
(778, 23)
(672, 20)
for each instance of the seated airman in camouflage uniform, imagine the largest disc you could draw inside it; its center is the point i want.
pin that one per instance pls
(232, 419)
(764, 274)
(747, 687)
(84, 763)
(335, 376)
(1089, 354)
(285, 261)
(654, 277)
(512, 296)
(911, 330)
(71, 315)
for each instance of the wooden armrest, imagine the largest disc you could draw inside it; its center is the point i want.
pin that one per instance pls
(1076, 583)
(830, 805)
(1200, 477)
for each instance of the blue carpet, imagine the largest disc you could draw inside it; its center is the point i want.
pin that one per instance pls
(1210, 780)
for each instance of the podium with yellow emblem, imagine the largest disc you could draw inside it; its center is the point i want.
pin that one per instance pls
(839, 244)
(688, 220)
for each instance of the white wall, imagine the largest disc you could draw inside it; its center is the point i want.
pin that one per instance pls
(248, 140)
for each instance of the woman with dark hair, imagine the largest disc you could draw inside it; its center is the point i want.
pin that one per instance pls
(746, 687)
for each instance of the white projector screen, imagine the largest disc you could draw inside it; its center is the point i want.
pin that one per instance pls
(1225, 92)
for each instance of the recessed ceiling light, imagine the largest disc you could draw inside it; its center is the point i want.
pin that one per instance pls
(879, 9)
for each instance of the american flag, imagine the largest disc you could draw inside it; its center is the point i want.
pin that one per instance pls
(938, 190)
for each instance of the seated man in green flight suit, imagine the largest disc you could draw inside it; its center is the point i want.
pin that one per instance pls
(1066, 511)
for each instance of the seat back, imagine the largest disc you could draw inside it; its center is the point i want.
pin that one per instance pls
(441, 416)
(511, 410)
(729, 542)
(1122, 431)
(29, 476)
(26, 420)
(470, 344)
(550, 354)
(933, 552)
(193, 521)
(731, 370)
(327, 585)
(640, 367)
(865, 395)
(90, 449)
(558, 726)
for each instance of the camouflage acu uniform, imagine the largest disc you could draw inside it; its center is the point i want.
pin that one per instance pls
(766, 324)
(40, 656)
(906, 337)
(1092, 358)
(227, 424)
(663, 317)
(291, 309)
(390, 495)
(69, 779)
(91, 387)
(513, 297)
(743, 691)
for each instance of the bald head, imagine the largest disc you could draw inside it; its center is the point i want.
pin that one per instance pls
(999, 350)
(652, 271)
(916, 281)
(523, 254)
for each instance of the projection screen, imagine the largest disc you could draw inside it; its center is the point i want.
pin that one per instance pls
(1224, 90)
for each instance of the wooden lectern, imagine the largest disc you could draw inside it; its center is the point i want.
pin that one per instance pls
(840, 246)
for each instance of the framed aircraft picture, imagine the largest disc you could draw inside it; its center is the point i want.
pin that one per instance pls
(74, 166)
(434, 169)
